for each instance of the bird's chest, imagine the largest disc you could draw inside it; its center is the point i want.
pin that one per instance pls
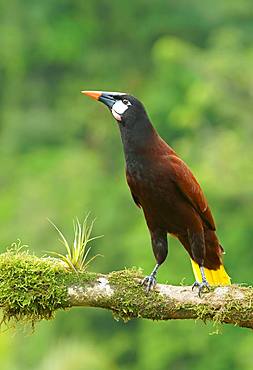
(138, 172)
(147, 180)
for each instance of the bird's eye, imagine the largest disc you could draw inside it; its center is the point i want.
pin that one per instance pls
(126, 102)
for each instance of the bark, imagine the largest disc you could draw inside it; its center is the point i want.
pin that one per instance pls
(122, 293)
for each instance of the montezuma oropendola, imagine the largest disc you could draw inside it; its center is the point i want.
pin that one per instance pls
(166, 190)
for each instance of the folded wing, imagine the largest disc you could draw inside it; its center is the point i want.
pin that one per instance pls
(190, 189)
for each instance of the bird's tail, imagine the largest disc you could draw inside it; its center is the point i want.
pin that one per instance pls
(214, 277)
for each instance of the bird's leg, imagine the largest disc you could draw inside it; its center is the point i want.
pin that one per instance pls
(150, 280)
(204, 284)
(197, 243)
(160, 249)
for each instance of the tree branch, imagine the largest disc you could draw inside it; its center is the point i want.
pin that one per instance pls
(123, 294)
(33, 288)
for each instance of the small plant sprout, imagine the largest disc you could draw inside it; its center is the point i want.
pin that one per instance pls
(77, 251)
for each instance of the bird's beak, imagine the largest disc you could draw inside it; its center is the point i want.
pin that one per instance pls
(108, 98)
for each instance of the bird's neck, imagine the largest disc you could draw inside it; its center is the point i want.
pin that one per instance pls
(138, 138)
(142, 142)
(143, 145)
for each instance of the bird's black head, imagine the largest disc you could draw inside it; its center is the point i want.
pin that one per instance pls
(127, 110)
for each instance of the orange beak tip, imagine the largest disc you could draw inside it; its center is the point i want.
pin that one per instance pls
(92, 94)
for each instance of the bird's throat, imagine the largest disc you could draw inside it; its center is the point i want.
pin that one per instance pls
(137, 138)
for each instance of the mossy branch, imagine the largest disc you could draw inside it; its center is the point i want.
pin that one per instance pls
(33, 288)
(122, 293)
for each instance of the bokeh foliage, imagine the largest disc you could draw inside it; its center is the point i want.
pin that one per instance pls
(60, 154)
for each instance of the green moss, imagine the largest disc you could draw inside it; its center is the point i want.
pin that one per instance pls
(133, 301)
(32, 288)
(235, 309)
(132, 298)
(239, 309)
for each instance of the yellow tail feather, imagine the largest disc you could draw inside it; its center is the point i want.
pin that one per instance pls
(214, 277)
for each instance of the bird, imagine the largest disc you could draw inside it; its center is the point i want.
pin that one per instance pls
(166, 190)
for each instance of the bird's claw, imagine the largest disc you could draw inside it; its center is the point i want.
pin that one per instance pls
(149, 281)
(201, 286)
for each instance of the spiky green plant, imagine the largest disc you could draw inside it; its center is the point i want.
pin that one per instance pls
(77, 252)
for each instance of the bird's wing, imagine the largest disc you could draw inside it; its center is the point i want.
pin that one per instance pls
(191, 190)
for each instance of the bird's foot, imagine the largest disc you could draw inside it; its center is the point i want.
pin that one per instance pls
(204, 286)
(149, 282)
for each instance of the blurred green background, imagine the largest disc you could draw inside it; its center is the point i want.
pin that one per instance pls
(190, 62)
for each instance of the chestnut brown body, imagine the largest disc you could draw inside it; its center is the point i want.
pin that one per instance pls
(172, 202)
